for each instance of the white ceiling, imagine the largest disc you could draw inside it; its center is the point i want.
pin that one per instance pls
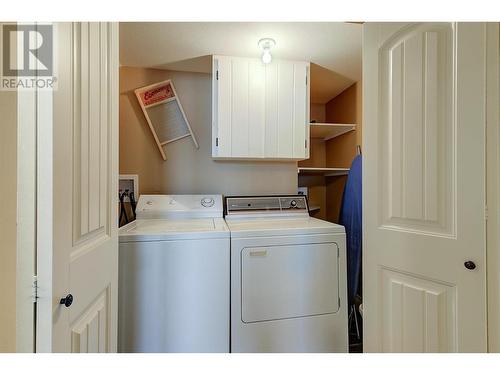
(335, 46)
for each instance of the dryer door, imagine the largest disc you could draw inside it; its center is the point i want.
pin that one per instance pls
(289, 281)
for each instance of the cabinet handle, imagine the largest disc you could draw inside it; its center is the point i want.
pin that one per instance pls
(470, 265)
(66, 301)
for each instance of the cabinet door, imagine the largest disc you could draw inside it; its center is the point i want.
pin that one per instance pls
(238, 107)
(257, 108)
(221, 107)
(260, 111)
(287, 110)
(301, 111)
(247, 108)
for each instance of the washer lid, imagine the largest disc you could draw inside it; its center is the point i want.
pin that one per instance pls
(260, 227)
(162, 229)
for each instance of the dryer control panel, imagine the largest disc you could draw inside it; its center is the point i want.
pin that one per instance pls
(267, 205)
(179, 206)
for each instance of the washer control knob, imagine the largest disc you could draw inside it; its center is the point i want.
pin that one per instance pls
(207, 202)
(293, 203)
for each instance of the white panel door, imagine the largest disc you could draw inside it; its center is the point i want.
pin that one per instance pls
(78, 247)
(424, 187)
(260, 111)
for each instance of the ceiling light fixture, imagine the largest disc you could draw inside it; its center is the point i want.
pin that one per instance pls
(266, 44)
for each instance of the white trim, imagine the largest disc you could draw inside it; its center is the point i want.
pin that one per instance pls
(44, 220)
(26, 220)
(28, 116)
(46, 270)
(114, 93)
(493, 185)
(34, 217)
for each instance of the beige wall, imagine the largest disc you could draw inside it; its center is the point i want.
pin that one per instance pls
(340, 151)
(8, 188)
(316, 184)
(345, 108)
(317, 112)
(337, 152)
(188, 170)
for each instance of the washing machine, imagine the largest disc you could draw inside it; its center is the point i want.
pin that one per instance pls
(288, 277)
(174, 265)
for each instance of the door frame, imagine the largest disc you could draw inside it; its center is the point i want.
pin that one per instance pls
(34, 233)
(493, 184)
(44, 221)
(26, 221)
(33, 117)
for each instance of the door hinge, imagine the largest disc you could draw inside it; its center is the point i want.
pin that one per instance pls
(34, 289)
(217, 142)
(217, 75)
(306, 79)
(305, 143)
(486, 213)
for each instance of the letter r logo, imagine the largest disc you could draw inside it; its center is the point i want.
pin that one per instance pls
(27, 50)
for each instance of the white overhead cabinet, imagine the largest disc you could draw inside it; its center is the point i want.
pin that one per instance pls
(260, 111)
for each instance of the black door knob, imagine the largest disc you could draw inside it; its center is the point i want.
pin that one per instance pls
(67, 301)
(470, 265)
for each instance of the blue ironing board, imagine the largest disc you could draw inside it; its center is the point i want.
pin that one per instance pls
(350, 218)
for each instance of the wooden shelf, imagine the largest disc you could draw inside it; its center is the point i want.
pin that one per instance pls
(327, 172)
(328, 131)
(314, 207)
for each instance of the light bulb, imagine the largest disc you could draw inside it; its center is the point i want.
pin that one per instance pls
(266, 44)
(266, 56)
